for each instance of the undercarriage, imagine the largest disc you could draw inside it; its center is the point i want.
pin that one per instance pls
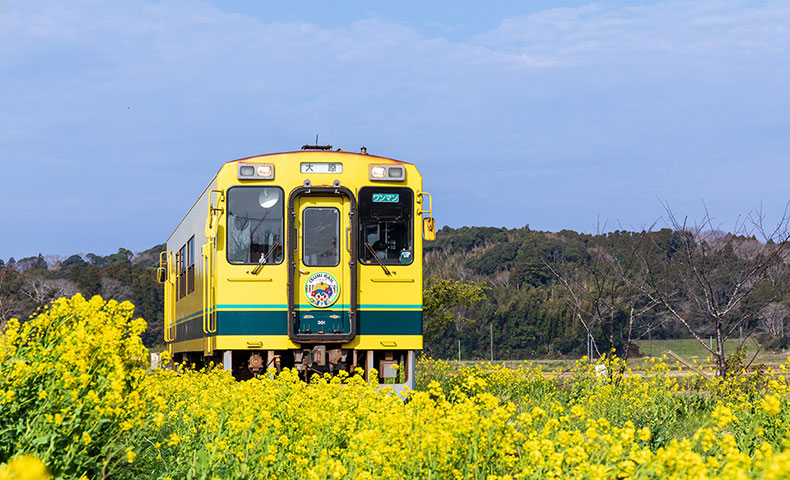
(391, 366)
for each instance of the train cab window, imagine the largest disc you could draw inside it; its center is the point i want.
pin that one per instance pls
(255, 225)
(321, 236)
(386, 225)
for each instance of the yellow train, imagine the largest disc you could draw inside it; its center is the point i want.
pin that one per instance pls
(309, 259)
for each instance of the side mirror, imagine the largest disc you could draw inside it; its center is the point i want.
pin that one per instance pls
(211, 227)
(161, 274)
(214, 212)
(429, 229)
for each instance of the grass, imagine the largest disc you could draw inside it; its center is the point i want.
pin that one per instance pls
(689, 347)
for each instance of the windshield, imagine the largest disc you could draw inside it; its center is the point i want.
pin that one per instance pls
(255, 225)
(386, 225)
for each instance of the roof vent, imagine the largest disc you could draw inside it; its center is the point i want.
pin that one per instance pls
(317, 147)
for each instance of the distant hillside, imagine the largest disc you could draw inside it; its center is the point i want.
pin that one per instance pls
(528, 308)
(531, 313)
(30, 283)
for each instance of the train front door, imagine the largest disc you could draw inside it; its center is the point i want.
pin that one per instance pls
(322, 293)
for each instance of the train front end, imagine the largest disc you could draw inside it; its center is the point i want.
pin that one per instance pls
(310, 260)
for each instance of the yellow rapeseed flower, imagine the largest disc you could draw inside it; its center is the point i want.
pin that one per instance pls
(24, 467)
(771, 404)
(722, 416)
(173, 439)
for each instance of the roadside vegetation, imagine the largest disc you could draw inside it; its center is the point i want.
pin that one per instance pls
(79, 402)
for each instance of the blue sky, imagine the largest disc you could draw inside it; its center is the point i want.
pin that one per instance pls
(114, 115)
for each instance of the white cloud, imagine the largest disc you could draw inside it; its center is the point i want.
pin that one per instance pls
(678, 28)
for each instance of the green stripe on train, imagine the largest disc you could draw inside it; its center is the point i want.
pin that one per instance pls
(246, 322)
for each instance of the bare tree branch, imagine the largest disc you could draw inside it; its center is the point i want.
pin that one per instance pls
(717, 275)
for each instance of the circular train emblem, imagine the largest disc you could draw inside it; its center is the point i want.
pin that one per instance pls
(321, 289)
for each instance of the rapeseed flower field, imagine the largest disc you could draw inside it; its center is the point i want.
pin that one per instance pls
(78, 401)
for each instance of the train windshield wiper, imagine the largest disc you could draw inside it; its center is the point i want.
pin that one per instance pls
(377, 259)
(263, 259)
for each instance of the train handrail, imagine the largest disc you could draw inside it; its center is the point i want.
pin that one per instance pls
(166, 262)
(216, 209)
(208, 287)
(430, 204)
(204, 292)
(428, 224)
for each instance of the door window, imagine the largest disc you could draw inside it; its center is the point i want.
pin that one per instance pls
(321, 236)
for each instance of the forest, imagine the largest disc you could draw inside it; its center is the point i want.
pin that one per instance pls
(532, 294)
(550, 294)
(31, 283)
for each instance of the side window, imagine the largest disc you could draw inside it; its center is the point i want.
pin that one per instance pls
(191, 265)
(386, 225)
(178, 274)
(181, 260)
(255, 225)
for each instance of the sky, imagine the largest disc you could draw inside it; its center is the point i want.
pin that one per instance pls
(557, 115)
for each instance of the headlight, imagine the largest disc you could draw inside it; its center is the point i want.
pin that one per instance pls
(388, 173)
(256, 172)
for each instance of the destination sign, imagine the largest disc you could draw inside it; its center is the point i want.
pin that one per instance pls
(321, 167)
(386, 197)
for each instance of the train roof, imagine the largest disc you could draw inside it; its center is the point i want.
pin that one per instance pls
(321, 152)
(294, 152)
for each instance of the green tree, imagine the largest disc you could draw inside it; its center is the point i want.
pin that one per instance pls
(122, 256)
(71, 262)
(32, 263)
(445, 302)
